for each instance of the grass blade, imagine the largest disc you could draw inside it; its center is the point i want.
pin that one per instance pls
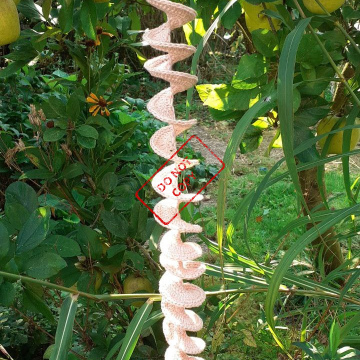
(65, 328)
(286, 98)
(261, 107)
(134, 330)
(291, 254)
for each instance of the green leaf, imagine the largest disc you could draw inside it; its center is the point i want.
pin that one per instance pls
(87, 131)
(4, 241)
(72, 171)
(286, 116)
(54, 108)
(65, 329)
(34, 231)
(21, 194)
(134, 330)
(64, 246)
(41, 174)
(251, 140)
(88, 18)
(109, 182)
(135, 258)
(44, 265)
(291, 254)
(89, 242)
(29, 10)
(231, 16)
(86, 142)
(73, 107)
(265, 42)
(13, 68)
(334, 338)
(200, 48)
(7, 293)
(260, 108)
(66, 15)
(314, 57)
(251, 68)
(54, 134)
(115, 223)
(46, 8)
(34, 303)
(225, 97)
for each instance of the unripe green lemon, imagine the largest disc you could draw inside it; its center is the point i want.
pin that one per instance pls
(9, 22)
(255, 20)
(329, 5)
(336, 142)
(134, 284)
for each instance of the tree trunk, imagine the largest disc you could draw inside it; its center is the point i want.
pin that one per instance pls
(332, 255)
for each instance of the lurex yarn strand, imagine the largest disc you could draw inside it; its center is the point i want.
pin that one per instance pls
(177, 257)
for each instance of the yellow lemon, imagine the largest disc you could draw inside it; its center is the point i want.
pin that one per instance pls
(336, 142)
(9, 22)
(329, 5)
(134, 284)
(254, 20)
(17, 2)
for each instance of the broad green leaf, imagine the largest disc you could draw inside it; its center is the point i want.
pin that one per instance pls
(265, 42)
(46, 8)
(87, 131)
(86, 142)
(115, 223)
(4, 241)
(72, 171)
(89, 242)
(54, 134)
(134, 330)
(231, 16)
(109, 182)
(63, 245)
(34, 303)
(34, 231)
(66, 15)
(73, 107)
(65, 329)
(22, 194)
(41, 174)
(251, 68)
(7, 293)
(44, 265)
(199, 50)
(13, 68)
(88, 18)
(224, 97)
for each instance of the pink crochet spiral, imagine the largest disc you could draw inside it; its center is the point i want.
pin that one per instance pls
(177, 257)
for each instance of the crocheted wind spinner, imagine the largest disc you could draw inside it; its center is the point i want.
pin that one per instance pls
(177, 257)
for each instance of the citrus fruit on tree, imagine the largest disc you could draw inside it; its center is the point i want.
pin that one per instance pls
(257, 20)
(135, 284)
(9, 22)
(336, 142)
(329, 5)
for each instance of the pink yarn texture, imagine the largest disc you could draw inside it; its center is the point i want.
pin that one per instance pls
(178, 257)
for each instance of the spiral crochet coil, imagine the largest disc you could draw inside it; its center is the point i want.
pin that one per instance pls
(177, 257)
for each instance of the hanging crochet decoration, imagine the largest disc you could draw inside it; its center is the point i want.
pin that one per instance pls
(177, 257)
